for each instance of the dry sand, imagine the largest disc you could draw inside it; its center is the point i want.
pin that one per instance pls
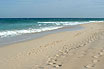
(83, 49)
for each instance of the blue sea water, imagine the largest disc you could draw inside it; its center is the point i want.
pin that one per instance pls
(18, 26)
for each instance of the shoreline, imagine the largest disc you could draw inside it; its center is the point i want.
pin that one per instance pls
(62, 50)
(32, 36)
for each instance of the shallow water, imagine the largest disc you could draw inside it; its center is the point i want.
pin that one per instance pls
(26, 37)
(19, 26)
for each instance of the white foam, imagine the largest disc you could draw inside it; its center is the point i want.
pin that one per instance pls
(95, 21)
(65, 23)
(59, 24)
(70, 23)
(20, 32)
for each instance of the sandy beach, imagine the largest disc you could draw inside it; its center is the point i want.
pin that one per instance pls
(80, 49)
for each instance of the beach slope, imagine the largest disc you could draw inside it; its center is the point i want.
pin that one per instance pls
(81, 49)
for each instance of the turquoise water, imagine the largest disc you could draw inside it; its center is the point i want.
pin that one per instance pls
(18, 26)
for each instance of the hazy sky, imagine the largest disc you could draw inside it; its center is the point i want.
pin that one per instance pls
(51, 8)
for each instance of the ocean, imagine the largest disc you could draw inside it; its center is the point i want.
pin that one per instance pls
(13, 30)
(10, 27)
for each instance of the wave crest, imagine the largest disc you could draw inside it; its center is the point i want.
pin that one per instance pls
(20, 32)
(70, 23)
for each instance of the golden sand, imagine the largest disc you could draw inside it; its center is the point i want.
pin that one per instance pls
(82, 49)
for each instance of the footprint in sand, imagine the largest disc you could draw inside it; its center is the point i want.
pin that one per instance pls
(89, 66)
(100, 53)
(97, 56)
(58, 65)
(95, 61)
(102, 50)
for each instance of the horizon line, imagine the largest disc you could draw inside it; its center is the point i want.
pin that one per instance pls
(47, 17)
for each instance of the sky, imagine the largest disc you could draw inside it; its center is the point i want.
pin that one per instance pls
(51, 8)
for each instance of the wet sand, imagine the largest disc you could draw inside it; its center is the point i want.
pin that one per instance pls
(80, 49)
(31, 36)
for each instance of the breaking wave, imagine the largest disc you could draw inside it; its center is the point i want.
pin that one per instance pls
(20, 32)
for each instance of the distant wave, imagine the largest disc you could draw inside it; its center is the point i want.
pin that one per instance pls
(71, 23)
(20, 32)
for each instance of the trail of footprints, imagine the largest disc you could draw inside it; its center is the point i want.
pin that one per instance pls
(53, 61)
(95, 59)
